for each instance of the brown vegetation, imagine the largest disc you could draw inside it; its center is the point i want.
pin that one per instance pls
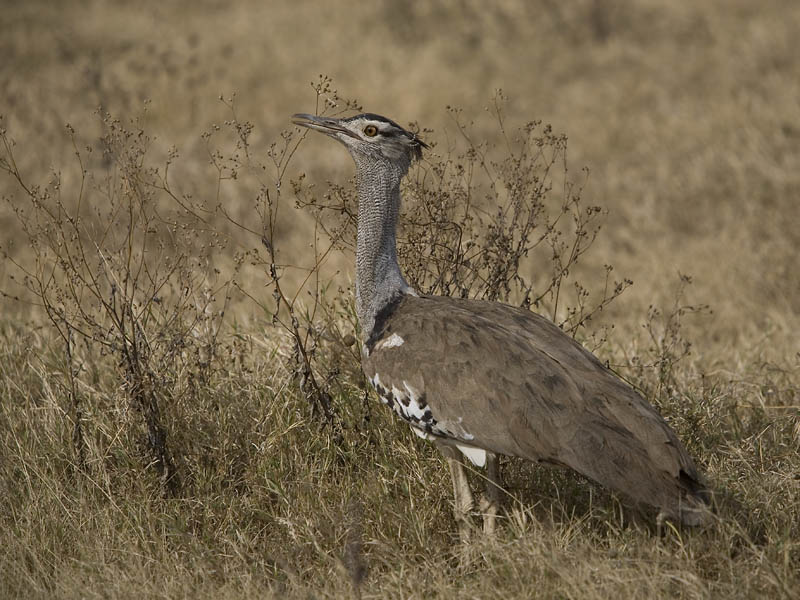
(181, 408)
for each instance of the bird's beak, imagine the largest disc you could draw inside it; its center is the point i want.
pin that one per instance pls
(325, 125)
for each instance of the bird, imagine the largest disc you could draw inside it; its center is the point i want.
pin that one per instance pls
(483, 379)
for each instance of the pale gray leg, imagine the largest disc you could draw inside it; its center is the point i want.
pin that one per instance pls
(661, 518)
(464, 502)
(490, 503)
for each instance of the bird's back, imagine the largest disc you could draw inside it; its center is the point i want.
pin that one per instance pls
(506, 380)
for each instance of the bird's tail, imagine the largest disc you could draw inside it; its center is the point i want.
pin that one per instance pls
(694, 507)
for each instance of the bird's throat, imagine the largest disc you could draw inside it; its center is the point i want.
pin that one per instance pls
(378, 276)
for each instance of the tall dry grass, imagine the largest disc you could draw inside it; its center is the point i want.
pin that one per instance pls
(160, 372)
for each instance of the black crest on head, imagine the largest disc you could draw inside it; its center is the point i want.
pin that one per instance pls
(372, 117)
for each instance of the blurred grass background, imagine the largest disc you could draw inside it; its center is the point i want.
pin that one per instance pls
(686, 113)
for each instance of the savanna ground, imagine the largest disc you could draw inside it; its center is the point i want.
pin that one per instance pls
(181, 412)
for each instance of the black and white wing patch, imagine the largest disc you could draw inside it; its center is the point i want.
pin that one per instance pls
(410, 404)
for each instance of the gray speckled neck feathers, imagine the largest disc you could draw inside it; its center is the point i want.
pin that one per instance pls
(382, 151)
(378, 276)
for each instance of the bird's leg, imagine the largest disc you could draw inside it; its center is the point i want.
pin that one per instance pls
(490, 503)
(660, 520)
(464, 502)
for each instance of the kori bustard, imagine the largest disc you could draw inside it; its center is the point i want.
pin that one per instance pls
(484, 378)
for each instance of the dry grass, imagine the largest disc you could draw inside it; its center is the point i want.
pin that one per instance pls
(687, 116)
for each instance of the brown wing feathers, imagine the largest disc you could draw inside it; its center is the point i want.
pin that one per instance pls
(506, 380)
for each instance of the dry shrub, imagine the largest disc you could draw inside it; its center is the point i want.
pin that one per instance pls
(480, 220)
(125, 284)
(289, 481)
(123, 262)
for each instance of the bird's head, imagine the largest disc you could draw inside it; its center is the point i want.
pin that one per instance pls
(369, 136)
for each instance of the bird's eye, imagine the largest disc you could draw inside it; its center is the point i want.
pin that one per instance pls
(370, 131)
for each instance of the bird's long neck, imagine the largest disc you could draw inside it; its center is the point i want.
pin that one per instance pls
(378, 276)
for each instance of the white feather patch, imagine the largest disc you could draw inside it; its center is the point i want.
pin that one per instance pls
(414, 409)
(392, 341)
(477, 456)
(420, 433)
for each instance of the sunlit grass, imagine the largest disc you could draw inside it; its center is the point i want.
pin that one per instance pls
(686, 116)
